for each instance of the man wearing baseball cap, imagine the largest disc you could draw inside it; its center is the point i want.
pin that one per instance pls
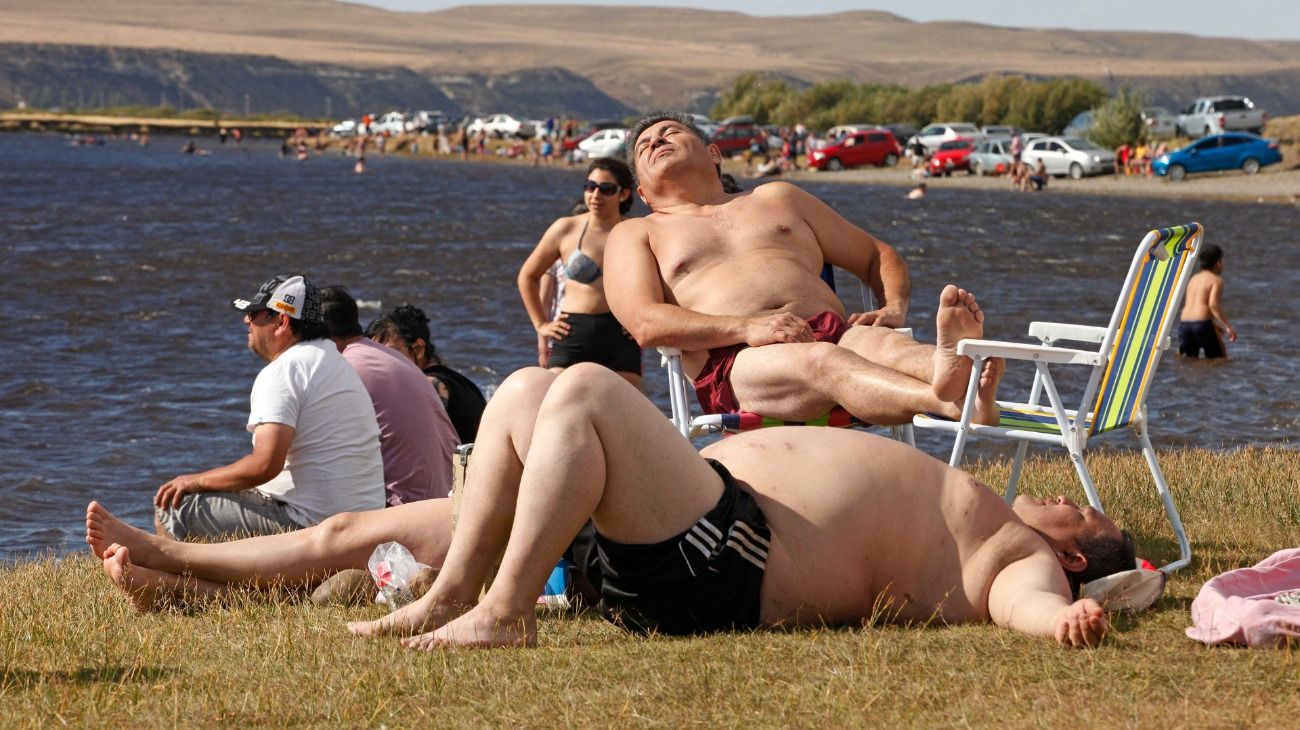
(315, 440)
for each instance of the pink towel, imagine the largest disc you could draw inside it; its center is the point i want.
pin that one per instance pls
(1243, 606)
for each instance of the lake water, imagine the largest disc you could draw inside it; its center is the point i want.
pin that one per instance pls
(125, 365)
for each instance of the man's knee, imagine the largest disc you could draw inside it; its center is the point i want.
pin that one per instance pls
(820, 360)
(585, 386)
(523, 385)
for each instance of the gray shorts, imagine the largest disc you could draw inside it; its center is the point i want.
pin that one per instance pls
(224, 515)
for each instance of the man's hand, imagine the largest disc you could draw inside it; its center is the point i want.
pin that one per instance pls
(169, 495)
(1081, 623)
(883, 317)
(556, 329)
(776, 328)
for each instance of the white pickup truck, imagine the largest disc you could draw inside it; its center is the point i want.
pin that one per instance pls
(1218, 114)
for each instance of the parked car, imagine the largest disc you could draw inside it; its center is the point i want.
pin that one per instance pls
(604, 143)
(999, 131)
(1218, 114)
(1079, 127)
(392, 123)
(991, 157)
(839, 130)
(1159, 122)
(936, 134)
(345, 128)
(952, 156)
(502, 125)
(1068, 156)
(733, 137)
(704, 124)
(1232, 151)
(901, 131)
(868, 147)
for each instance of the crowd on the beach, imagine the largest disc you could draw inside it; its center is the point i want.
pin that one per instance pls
(354, 428)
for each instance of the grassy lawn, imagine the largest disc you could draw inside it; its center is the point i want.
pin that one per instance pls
(73, 652)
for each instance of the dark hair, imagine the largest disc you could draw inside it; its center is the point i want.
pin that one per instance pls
(1209, 256)
(409, 323)
(307, 331)
(621, 173)
(339, 310)
(1105, 555)
(729, 184)
(651, 119)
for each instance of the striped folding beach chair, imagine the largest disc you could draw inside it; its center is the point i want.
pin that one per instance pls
(1123, 366)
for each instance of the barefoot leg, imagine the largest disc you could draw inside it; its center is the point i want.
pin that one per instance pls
(481, 627)
(959, 318)
(491, 490)
(150, 589)
(986, 403)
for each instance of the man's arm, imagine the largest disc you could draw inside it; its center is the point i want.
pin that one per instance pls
(1216, 309)
(270, 447)
(636, 297)
(873, 261)
(1032, 596)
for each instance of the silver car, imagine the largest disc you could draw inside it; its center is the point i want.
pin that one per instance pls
(1159, 122)
(1068, 156)
(991, 157)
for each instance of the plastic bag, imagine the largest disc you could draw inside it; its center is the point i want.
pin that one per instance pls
(394, 570)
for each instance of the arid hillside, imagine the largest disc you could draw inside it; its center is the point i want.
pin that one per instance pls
(647, 57)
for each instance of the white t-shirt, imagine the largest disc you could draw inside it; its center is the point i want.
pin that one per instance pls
(333, 464)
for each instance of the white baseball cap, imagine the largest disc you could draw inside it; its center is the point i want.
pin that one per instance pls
(289, 294)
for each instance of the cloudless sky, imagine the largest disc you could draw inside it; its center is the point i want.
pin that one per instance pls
(1257, 19)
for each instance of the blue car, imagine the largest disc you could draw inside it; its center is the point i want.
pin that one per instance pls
(1219, 152)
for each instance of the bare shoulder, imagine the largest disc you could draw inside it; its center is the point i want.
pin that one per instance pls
(780, 190)
(566, 225)
(632, 229)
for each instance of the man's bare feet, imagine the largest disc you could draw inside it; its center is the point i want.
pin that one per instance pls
(959, 318)
(104, 529)
(986, 395)
(421, 615)
(145, 587)
(481, 627)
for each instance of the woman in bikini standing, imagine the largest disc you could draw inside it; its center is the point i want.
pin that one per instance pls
(585, 331)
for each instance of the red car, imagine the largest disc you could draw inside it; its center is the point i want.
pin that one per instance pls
(733, 139)
(951, 156)
(865, 147)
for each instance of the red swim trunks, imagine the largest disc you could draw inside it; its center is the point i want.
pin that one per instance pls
(713, 384)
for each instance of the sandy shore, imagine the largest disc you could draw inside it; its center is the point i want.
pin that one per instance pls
(1271, 185)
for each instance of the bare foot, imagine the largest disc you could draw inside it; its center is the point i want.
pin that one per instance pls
(986, 402)
(421, 615)
(143, 586)
(481, 627)
(959, 318)
(104, 529)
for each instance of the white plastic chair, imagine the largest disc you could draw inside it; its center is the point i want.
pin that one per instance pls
(1123, 365)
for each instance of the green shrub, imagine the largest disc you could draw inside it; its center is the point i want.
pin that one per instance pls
(1119, 121)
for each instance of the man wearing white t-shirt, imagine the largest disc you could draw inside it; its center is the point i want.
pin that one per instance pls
(315, 439)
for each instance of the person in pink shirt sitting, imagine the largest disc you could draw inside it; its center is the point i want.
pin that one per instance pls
(416, 438)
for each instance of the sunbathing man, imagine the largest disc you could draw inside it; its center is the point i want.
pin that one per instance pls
(789, 527)
(732, 280)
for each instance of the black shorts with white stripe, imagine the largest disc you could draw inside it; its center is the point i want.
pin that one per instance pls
(709, 578)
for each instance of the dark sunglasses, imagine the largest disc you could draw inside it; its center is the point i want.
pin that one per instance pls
(604, 188)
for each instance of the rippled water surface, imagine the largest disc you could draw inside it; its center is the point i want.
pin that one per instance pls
(125, 366)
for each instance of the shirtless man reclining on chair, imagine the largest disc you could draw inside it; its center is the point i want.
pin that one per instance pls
(779, 528)
(733, 281)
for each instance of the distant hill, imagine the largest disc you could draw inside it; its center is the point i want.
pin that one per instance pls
(656, 57)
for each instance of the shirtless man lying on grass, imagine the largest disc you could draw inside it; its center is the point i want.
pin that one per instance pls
(733, 281)
(788, 527)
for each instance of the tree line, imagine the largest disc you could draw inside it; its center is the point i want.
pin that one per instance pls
(1043, 106)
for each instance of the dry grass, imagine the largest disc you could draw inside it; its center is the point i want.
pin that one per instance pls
(71, 651)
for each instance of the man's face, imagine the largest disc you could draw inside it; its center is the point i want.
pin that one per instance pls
(667, 145)
(1061, 519)
(261, 332)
